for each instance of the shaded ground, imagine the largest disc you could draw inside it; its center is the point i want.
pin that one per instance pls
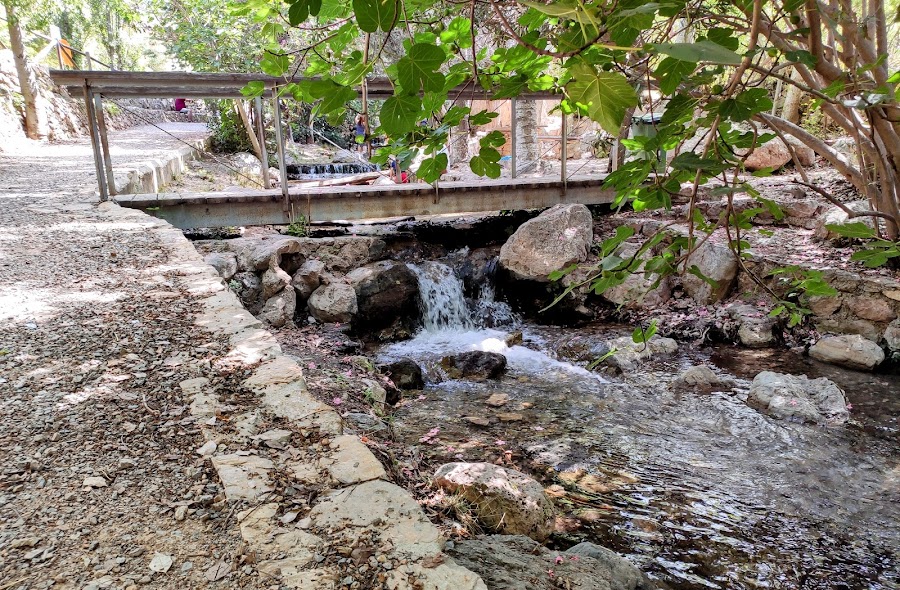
(95, 335)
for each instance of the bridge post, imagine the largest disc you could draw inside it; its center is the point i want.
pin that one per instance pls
(564, 151)
(512, 137)
(104, 143)
(279, 139)
(95, 142)
(261, 131)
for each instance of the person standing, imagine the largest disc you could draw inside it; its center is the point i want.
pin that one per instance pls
(360, 133)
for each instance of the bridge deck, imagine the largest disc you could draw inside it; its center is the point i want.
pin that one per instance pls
(268, 207)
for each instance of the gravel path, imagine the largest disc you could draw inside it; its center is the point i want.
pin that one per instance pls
(98, 470)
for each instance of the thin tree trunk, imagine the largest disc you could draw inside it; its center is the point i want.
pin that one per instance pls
(248, 127)
(791, 110)
(34, 126)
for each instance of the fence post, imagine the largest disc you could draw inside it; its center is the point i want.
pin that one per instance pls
(279, 139)
(95, 143)
(564, 150)
(87, 57)
(512, 137)
(104, 143)
(261, 130)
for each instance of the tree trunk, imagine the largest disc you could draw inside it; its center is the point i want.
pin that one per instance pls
(791, 110)
(526, 136)
(248, 127)
(35, 127)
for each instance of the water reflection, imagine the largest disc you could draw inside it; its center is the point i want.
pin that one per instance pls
(699, 489)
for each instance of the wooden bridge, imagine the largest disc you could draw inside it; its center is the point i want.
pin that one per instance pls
(281, 206)
(269, 207)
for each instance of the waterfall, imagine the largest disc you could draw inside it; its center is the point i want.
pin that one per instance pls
(444, 306)
(443, 302)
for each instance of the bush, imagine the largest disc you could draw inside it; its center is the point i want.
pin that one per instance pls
(228, 133)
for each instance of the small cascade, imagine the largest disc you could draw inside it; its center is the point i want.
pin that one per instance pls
(304, 171)
(443, 302)
(490, 312)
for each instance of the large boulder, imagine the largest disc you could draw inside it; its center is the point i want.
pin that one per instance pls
(279, 309)
(474, 364)
(848, 350)
(504, 500)
(343, 253)
(260, 254)
(638, 291)
(755, 328)
(405, 374)
(715, 261)
(835, 216)
(333, 303)
(871, 307)
(772, 154)
(555, 239)
(248, 287)
(799, 397)
(308, 278)
(387, 295)
(225, 263)
(514, 562)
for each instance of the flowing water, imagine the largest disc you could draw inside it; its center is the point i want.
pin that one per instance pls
(699, 489)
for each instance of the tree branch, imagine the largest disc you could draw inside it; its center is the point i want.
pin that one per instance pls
(850, 212)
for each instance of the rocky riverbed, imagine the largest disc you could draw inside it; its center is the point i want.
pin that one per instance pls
(707, 460)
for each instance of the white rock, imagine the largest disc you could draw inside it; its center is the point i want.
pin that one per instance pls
(333, 303)
(181, 512)
(161, 563)
(208, 448)
(797, 396)
(716, 262)
(505, 500)
(94, 482)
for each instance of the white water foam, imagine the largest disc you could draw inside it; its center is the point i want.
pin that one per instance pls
(449, 328)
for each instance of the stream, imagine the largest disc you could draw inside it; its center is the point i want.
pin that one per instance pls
(698, 489)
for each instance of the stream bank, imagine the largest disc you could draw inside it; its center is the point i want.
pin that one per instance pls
(693, 484)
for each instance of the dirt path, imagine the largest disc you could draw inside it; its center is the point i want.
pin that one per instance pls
(98, 470)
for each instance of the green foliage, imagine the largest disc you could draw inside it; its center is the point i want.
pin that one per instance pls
(228, 133)
(605, 96)
(801, 285)
(299, 228)
(642, 335)
(876, 252)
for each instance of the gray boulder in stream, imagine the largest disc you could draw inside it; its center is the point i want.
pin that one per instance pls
(404, 373)
(475, 364)
(387, 294)
(555, 239)
(333, 303)
(513, 562)
(799, 397)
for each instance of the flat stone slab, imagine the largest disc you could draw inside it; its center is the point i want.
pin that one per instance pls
(245, 477)
(351, 462)
(280, 551)
(384, 508)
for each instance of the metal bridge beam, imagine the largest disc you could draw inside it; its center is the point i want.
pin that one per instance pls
(265, 207)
